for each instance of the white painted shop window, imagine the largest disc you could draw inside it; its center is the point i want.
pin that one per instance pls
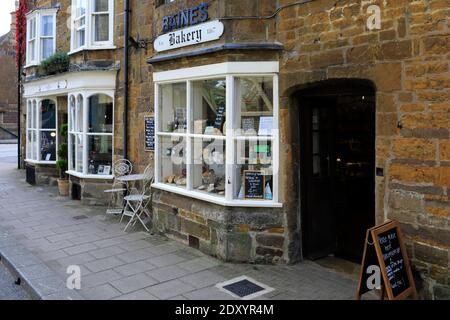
(92, 25)
(217, 128)
(42, 140)
(41, 40)
(90, 139)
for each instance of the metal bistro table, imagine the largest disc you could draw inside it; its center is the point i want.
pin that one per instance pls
(129, 181)
(134, 211)
(131, 178)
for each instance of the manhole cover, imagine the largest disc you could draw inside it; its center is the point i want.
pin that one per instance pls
(80, 217)
(244, 287)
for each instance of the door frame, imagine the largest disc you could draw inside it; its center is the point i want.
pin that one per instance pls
(330, 87)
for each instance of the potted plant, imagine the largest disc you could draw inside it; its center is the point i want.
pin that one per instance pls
(61, 164)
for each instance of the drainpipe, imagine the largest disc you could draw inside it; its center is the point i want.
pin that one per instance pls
(19, 67)
(125, 62)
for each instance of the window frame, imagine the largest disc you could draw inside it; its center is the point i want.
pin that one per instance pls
(33, 118)
(230, 71)
(37, 16)
(85, 134)
(89, 28)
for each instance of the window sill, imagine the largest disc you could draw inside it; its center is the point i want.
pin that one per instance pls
(104, 47)
(218, 199)
(39, 161)
(89, 176)
(31, 65)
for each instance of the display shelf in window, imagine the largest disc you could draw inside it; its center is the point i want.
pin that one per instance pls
(209, 166)
(173, 168)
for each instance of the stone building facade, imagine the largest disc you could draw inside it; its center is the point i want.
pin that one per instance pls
(8, 90)
(383, 90)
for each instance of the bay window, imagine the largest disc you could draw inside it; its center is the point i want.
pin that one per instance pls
(92, 24)
(217, 133)
(90, 134)
(41, 29)
(41, 131)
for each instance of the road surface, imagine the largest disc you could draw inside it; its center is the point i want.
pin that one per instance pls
(8, 289)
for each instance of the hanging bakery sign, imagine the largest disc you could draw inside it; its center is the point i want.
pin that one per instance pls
(188, 27)
(205, 32)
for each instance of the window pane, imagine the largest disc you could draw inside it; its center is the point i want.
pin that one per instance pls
(31, 50)
(34, 112)
(48, 114)
(80, 8)
(46, 47)
(32, 33)
(29, 115)
(255, 106)
(209, 166)
(29, 145)
(254, 156)
(79, 153)
(33, 145)
(47, 26)
(101, 30)
(79, 41)
(48, 146)
(72, 113)
(101, 5)
(72, 149)
(100, 113)
(100, 155)
(209, 107)
(79, 117)
(172, 164)
(172, 106)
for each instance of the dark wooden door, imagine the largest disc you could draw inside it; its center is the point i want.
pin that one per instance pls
(317, 176)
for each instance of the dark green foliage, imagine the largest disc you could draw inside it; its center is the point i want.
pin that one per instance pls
(61, 164)
(56, 63)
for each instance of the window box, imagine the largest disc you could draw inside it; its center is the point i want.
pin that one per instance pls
(213, 124)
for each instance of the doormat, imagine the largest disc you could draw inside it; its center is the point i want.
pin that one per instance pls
(80, 217)
(244, 288)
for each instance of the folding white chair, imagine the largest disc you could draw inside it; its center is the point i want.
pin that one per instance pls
(137, 203)
(121, 168)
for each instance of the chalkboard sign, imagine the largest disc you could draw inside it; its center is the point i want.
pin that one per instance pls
(149, 124)
(385, 248)
(220, 116)
(254, 184)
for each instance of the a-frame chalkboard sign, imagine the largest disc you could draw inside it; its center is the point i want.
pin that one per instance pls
(384, 248)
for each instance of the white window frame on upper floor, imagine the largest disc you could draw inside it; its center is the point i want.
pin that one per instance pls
(89, 28)
(37, 16)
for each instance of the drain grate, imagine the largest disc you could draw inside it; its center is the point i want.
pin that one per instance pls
(80, 217)
(244, 287)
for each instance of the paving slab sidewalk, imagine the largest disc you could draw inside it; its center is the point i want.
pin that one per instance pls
(42, 234)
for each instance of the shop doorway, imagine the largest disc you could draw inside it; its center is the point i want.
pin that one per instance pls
(337, 168)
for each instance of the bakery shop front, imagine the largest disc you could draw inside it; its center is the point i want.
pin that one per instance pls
(227, 160)
(216, 112)
(285, 132)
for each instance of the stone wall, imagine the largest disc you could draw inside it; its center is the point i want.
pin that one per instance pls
(408, 62)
